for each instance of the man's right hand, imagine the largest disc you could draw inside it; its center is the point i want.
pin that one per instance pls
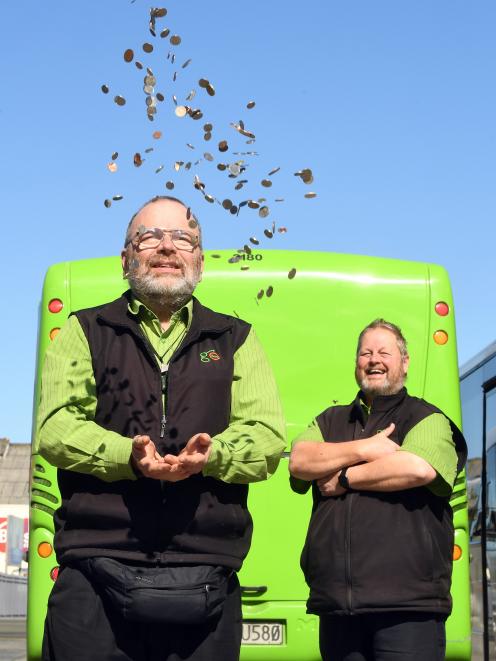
(379, 445)
(150, 463)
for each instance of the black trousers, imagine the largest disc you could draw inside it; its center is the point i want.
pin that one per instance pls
(393, 636)
(80, 626)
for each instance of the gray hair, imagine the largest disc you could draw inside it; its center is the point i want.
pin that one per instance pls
(157, 198)
(387, 325)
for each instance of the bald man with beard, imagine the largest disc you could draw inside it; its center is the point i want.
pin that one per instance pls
(158, 412)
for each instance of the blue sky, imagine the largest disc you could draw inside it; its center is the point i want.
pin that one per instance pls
(391, 103)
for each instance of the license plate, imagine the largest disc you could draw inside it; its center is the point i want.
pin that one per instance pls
(259, 632)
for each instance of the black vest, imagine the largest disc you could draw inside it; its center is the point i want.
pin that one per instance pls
(197, 520)
(370, 551)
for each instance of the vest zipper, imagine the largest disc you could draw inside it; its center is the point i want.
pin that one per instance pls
(347, 554)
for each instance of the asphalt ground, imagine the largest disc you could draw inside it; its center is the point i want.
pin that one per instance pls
(12, 640)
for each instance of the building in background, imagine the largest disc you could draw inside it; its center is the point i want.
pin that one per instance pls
(14, 505)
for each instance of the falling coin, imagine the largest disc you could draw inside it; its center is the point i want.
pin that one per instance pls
(305, 175)
(282, 230)
(268, 234)
(138, 65)
(266, 183)
(191, 95)
(115, 155)
(227, 204)
(270, 291)
(116, 198)
(159, 169)
(120, 100)
(165, 33)
(253, 205)
(292, 274)
(250, 105)
(203, 82)
(137, 160)
(193, 224)
(207, 127)
(254, 240)
(158, 12)
(185, 64)
(105, 89)
(128, 55)
(215, 256)
(208, 156)
(263, 212)
(160, 96)
(169, 185)
(223, 146)
(209, 198)
(157, 135)
(210, 90)
(273, 171)
(234, 259)
(181, 111)
(112, 167)
(260, 294)
(148, 48)
(207, 136)
(107, 203)
(175, 40)
(310, 195)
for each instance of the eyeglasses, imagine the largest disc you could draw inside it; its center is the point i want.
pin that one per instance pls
(152, 237)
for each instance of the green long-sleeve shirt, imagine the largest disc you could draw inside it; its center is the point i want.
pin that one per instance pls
(68, 437)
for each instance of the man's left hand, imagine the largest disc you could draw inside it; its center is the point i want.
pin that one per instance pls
(196, 452)
(329, 485)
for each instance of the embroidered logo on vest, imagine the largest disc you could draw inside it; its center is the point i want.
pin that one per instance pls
(207, 356)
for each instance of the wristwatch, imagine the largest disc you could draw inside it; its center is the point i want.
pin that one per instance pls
(343, 480)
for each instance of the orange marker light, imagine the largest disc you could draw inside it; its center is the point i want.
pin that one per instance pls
(54, 573)
(440, 337)
(442, 308)
(53, 333)
(457, 552)
(45, 549)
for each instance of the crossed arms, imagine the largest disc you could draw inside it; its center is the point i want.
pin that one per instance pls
(375, 464)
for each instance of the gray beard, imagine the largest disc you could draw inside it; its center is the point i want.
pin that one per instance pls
(386, 388)
(173, 296)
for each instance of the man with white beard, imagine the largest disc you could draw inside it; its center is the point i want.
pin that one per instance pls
(158, 412)
(379, 548)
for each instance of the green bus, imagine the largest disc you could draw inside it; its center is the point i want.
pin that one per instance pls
(297, 301)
